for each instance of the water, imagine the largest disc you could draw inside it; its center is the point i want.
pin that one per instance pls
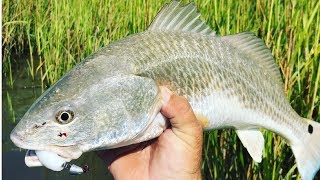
(22, 95)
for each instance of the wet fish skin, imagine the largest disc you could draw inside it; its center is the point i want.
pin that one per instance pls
(230, 81)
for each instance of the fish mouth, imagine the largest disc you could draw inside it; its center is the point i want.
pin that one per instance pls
(55, 158)
(67, 152)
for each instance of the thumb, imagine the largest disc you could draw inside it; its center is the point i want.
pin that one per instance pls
(181, 116)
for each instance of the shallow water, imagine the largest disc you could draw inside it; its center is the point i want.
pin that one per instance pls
(22, 95)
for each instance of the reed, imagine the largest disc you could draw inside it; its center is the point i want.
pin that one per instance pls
(63, 32)
(10, 108)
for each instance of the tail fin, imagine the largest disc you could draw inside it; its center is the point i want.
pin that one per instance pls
(307, 153)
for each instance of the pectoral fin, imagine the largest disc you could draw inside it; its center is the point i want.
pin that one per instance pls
(253, 140)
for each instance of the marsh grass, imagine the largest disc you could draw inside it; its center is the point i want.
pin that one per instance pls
(61, 33)
(10, 108)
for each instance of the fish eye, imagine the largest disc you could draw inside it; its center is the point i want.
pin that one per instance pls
(65, 116)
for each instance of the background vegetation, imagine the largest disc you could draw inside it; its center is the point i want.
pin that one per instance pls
(57, 34)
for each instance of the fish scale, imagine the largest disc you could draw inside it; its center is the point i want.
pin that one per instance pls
(113, 97)
(262, 99)
(222, 59)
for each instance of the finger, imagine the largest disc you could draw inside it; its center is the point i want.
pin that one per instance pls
(179, 112)
(131, 161)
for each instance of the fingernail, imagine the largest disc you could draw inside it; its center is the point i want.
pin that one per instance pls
(166, 94)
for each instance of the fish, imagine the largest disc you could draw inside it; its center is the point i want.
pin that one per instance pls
(112, 98)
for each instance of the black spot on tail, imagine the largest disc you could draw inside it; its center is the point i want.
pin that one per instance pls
(310, 129)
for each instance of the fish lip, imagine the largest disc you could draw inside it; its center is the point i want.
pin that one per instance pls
(17, 140)
(53, 148)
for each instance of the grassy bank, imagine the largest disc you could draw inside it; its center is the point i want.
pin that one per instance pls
(61, 33)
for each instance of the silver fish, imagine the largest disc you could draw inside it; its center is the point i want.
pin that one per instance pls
(112, 98)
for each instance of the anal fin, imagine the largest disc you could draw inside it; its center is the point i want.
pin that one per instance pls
(253, 140)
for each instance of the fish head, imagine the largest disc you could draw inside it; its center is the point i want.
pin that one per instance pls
(77, 115)
(57, 121)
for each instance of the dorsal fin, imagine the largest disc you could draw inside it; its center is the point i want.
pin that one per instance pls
(173, 17)
(255, 49)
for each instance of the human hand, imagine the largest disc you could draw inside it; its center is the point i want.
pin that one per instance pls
(175, 154)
